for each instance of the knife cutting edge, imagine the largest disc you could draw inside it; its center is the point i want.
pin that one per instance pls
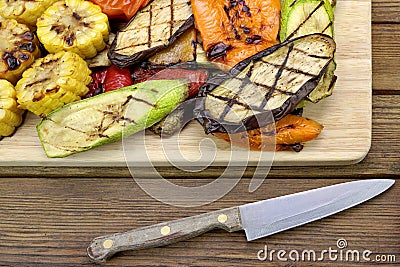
(258, 219)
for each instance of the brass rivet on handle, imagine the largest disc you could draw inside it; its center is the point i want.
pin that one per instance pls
(222, 218)
(165, 230)
(108, 243)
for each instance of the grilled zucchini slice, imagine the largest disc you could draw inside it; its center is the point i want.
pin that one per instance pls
(273, 82)
(306, 17)
(102, 119)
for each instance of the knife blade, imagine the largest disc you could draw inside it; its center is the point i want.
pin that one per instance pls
(258, 219)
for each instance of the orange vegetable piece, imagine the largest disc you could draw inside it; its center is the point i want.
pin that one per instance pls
(290, 130)
(123, 9)
(233, 30)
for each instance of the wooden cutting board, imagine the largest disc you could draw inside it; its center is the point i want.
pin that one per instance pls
(346, 117)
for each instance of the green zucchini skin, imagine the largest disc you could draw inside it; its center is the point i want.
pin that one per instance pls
(289, 17)
(306, 17)
(85, 124)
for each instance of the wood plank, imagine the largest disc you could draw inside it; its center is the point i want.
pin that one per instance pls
(385, 11)
(335, 112)
(382, 160)
(49, 222)
(385, 63)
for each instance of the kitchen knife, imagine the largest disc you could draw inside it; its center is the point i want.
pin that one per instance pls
(258, 219)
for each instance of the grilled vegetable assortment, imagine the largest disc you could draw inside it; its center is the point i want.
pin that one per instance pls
(247, 64)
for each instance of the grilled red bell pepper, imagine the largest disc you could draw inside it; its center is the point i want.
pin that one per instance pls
(117, 78)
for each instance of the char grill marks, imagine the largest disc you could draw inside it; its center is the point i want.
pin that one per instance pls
(276, 81)
(320, 5)
(153, 28)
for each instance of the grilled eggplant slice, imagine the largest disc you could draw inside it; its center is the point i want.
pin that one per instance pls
(103, 119)
(152, 29)
(273, 82)
(181, 51)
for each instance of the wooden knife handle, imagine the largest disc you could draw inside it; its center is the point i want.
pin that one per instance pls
(102, 248)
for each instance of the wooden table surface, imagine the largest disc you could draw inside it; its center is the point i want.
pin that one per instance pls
(49, 215)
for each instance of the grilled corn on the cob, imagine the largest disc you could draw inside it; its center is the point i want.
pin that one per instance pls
(10, 115)
(74, 25)
(19, 48)
(24, 11)
(52, 82)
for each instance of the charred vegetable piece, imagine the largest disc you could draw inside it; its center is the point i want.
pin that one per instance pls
(121, 9)
(181, 51)
(152, 29)
(234, 30)
(109, 79)
(10, 114)
(143, 73)
(73, 25)
(196, 78)
(101, 59)
(289, 133)
(273, 81)
(24, 11)
(19, 48)
(103, 119)
(117, 78)
(175, 121)
(325, 86)
(306, 17)
(96, 85)
(53, 81)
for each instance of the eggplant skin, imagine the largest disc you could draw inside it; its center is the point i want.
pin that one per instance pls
(261, 117)
(124, 61)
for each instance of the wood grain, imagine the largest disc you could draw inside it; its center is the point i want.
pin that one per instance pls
(385, 64)
(49, 222)
(385, 11)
